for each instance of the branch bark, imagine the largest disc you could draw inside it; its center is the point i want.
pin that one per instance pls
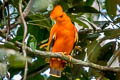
(8, 21)
(23, 42)
(73, 60)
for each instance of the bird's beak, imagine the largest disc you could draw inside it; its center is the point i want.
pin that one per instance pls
(51, 17)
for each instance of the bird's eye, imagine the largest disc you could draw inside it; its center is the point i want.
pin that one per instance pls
(61, 16)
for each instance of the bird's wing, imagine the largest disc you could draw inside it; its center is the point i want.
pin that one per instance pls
(52, 42)
(52, 37)
(76, 38)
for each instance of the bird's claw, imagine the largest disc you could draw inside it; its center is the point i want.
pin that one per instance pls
(70, 57)
(46, 44)
(78, 48)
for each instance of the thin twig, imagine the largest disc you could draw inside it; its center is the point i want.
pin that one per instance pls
(23, 42)
(3, 11)
(8, 26)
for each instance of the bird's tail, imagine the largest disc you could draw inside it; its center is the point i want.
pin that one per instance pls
(55, 72)
(56, 67)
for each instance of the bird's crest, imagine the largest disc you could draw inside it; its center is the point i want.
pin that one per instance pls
(56, 12)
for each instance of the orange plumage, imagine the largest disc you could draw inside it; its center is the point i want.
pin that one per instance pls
(63, 36)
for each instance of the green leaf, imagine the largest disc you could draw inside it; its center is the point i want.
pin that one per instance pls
(18, 38)
(93, 36)
(40, 5)
(14, 58)
(93, 51)
(14, 3)
(39, 20)
(80, 22)
(89, 2)
(92, 25)
(100, 54)
(33, 43)
(111, 7)
(37, 65)
(10, 45)
(3, 69)
(83, 9)
(77, 2)
(39, 33)
(16, 61)
(111, 34)
(36, 77)
(102, 24)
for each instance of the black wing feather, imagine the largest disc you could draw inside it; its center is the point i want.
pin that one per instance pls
(52, 43)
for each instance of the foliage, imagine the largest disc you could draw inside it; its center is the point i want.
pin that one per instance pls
(98, 45)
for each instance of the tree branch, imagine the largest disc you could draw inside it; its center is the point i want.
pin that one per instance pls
(73, 60)
(23, 42)
(8, 25)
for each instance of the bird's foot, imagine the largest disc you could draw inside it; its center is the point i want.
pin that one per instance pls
(70, 57)
(65, 54)
(78, 48)
(44, 45)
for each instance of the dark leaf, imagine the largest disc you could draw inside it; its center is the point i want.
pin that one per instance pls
(93, 51)
(14, 58)
(89, 2)
(111, 34)
(33, 43)
(111, 7)
(82, 9)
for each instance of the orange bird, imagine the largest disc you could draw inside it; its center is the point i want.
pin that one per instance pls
(63, 36)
